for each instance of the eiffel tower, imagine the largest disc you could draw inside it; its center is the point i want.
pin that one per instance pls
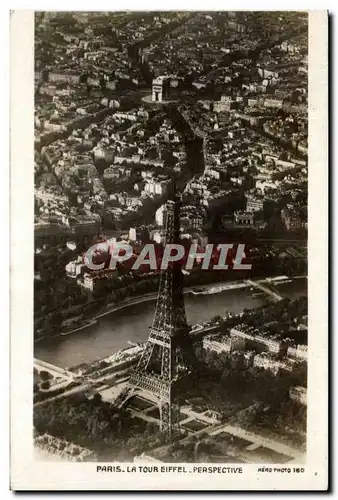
(168, 356)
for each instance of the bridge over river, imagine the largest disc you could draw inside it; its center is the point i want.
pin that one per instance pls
(268, 289)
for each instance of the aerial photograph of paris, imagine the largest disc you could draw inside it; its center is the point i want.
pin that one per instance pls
(170, 228)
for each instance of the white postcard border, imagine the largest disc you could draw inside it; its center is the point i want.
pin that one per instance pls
(28, 474)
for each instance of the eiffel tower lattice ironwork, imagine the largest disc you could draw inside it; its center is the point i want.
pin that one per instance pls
(168, 355)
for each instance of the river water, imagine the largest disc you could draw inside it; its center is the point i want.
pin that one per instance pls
(113, 331)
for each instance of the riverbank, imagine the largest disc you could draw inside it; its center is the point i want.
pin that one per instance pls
(81, 327)
(112, 332)
(209, 289)
(112, 308)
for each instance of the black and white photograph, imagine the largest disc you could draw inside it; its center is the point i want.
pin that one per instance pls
(170, 301)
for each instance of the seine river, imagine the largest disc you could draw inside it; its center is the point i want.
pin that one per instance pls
(113, 331)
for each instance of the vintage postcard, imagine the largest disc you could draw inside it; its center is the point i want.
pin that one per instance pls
(169, 234)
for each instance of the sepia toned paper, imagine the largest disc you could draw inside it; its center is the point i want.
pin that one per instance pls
(135, 135)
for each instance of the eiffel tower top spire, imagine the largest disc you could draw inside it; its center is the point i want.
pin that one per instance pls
(170, 311)
(174, 189)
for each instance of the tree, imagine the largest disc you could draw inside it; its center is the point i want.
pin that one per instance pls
(97, 398)
(45, 375)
